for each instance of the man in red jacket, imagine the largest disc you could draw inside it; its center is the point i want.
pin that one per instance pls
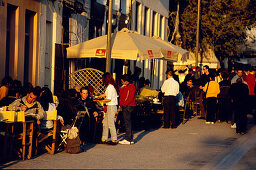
(250, 79)
(127, 96)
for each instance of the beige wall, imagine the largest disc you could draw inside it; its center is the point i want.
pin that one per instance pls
(17, 32)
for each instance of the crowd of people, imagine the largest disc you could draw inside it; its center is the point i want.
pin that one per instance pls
(221, 96)
(34, 101)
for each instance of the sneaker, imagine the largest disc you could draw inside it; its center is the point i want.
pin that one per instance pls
(233, 126)
(126, 142)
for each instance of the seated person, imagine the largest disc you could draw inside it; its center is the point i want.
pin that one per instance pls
(32, 108)
(147, 84)
(11, 97)
(66, 108)
(46, 100)
(88, 123)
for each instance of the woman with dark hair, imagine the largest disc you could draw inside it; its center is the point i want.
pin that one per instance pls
(110, 96)
(6, 83)
(46, 100)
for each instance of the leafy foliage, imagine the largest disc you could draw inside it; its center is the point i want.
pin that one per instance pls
(222, 25)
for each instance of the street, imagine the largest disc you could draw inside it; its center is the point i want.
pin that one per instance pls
(193, 145)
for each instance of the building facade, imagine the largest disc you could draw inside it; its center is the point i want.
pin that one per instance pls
(147, 17)
(34, 34)
(19, 45)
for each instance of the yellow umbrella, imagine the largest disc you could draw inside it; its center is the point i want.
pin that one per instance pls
(174, 52)
(126, 44)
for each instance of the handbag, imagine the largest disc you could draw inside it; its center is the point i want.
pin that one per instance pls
(73, 145)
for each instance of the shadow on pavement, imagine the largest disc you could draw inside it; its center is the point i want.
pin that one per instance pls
(211, 147)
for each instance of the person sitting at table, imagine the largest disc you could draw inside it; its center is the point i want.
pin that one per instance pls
(11, 97)
(6, 83)
(87, 127)
(46, 101)
(147, 84)
(32, 108)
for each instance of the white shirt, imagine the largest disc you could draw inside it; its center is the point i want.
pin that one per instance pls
(47, 124)
(170, 87)
(111, 94)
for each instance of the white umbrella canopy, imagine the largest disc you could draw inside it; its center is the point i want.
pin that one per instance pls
(174, 52)
(125, 44)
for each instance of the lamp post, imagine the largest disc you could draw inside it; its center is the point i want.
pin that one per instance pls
(108, 55)
(197, 31)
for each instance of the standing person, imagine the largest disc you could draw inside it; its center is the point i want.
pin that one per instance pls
(170, 88)
(136, 77)
(6, 83)
(110, 96)
(239, 74)
(212, 89)
(250, 79)
(127, 93)
(224, 112)
(239, 93)
(203, 80)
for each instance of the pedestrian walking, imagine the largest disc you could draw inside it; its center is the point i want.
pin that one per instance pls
(239, 93)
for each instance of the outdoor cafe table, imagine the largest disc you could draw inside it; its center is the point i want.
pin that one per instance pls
(146, 112)
(10, 136)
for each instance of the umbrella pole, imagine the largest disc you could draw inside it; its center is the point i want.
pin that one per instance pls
(108, 57)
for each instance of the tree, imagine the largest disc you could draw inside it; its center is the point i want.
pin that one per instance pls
(222, 27)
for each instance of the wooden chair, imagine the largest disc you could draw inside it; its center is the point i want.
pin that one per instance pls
(42, 136)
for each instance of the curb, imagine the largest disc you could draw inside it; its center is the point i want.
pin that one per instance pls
(229, 158)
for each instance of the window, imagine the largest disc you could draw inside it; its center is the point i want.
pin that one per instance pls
(145, 20)
(137, 16)
(153, 24)
(161, 26)
(10, 39)
(28, 51)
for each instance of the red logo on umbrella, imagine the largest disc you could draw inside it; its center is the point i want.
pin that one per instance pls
(150, 53)
(169, 54)
(100, 52)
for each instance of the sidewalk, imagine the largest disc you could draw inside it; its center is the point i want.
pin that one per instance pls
(193, 145)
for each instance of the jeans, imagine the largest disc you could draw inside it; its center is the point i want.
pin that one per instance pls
(211, 109)
(127, 110)
(109, 123)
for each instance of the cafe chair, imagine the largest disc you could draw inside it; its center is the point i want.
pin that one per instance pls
(50, 134)
(14, 139)
(26, 136)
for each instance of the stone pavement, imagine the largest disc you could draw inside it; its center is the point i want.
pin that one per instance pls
(193, 145)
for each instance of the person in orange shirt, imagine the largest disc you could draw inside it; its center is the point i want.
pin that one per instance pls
(6, 83)
(212, 89)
